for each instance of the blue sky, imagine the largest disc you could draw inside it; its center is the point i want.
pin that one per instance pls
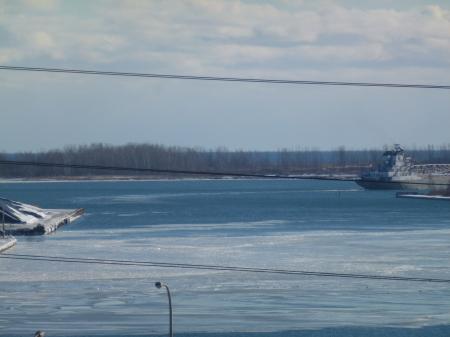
(384, 41)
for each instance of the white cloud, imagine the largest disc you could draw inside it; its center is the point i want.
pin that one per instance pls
(438, 12)
(42, 40)
(363, 52)
(256, 37)
(232, 54)
(8, 55)
(41, 4)
(42, 43)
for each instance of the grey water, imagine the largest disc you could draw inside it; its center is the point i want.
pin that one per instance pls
(299, 225)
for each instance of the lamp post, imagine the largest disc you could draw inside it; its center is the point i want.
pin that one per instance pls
(159, 285)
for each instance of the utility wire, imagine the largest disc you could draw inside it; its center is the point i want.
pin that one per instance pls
(153, 170)
(217, 268)
(209, 173)
(224, 79)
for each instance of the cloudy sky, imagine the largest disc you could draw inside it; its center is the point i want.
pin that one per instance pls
(401, 41)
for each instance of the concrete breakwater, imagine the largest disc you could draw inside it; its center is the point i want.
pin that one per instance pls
(19, 218)
(46, 225)
(6, 243)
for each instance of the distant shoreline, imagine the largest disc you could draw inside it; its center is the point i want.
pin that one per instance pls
(118, 178)
(133, 178)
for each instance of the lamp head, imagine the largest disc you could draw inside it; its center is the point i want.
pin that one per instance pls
(158, 285)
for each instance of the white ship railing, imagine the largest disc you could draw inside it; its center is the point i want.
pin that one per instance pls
(432, 168)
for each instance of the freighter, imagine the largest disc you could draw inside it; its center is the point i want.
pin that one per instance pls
(397, 172)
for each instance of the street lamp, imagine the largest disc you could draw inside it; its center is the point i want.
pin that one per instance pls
(159, 285)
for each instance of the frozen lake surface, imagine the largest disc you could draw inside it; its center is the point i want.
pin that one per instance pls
(301, 225)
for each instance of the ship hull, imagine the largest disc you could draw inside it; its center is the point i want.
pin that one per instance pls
(438, 183)
(379, 185)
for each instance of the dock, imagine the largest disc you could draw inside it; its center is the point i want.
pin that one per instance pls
(46, 225)
(7, 243)
(18, 218)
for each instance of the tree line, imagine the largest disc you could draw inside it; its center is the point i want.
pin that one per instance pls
(283, 161)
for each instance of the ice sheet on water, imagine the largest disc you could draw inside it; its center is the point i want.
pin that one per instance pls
(357, 232)
(409, 253)
(242, 301)
(155, 196)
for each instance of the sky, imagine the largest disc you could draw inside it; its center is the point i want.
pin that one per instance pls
(401, 41)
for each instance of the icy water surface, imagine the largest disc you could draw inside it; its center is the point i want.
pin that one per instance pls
(300, 225)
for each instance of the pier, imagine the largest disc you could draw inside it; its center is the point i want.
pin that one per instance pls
(46, 225)
(23, 219)
(7, 243)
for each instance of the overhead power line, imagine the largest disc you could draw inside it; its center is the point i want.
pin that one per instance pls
(207, 173)
(224, 79)
(170, 171)
(64, 259)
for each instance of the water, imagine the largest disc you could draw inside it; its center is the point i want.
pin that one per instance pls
(301, 225)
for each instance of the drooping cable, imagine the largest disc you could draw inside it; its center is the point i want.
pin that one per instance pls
(210, 173)
(224, 79)
(64, 259)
